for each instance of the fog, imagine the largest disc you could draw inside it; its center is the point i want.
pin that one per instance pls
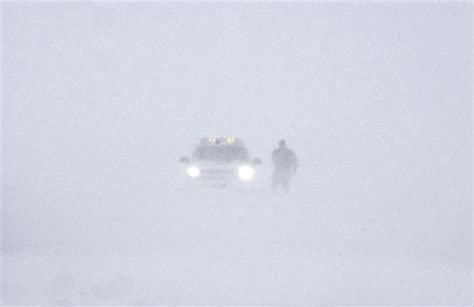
(100, 100)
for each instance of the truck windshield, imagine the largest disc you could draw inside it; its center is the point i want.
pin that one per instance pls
(221, 153)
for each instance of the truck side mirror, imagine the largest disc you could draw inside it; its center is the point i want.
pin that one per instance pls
(256, 162)
(184, 160)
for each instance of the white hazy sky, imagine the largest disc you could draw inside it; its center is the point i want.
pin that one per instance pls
(354, 87)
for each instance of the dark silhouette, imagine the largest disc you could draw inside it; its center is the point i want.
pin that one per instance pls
(285, 163)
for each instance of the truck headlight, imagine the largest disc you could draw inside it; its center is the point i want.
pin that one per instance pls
(193, 171)
(246, 173)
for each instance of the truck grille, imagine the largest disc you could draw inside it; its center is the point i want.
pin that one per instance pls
(218, 174)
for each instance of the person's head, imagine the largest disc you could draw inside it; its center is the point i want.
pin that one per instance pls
(282, 144)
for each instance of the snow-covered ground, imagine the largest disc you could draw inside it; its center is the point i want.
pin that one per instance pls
(179, 245)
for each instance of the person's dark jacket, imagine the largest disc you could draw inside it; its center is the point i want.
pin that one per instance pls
(284, 160)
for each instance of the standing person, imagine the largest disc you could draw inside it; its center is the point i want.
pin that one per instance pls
(285, 164)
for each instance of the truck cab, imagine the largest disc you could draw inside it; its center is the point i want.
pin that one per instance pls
(221, 161)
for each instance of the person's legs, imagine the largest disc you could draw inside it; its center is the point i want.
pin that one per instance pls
(286, 184)
(275, 182)
(281, 178)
